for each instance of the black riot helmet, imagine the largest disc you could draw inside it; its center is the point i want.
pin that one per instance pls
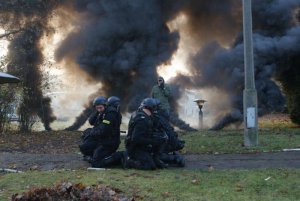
(114, 101)
(99, 100)
(149, 103)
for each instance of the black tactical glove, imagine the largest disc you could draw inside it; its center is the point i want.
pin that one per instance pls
(160, 138)
(179, 145)
(149, 147)
(85, 134)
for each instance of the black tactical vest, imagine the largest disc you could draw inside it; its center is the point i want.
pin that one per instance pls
(135, 117)
(115, 125)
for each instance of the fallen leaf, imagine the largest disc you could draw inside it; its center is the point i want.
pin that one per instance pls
(195, 181)
(239, 187)
(166, 194)
(266, 179)
(35, 167)
(13, 166)
(111, 192)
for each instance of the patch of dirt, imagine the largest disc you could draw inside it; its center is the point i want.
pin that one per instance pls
(46, 142)
(30, 161)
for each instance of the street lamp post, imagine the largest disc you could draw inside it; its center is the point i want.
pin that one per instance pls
(250, 94)
(200, 104)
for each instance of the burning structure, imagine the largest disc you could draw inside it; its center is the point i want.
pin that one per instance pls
(121, 44)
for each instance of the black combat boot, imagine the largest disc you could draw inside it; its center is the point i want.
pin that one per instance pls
(159, 163)
(112, 160)
(179, 160)
(127, 162)
(88, 159)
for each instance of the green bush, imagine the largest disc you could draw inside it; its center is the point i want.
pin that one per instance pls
(294, 106)
(7, 106)
(290, 79)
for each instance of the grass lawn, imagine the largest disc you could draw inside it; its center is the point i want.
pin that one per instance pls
(176, 184)
(231, 141)
(276, 132)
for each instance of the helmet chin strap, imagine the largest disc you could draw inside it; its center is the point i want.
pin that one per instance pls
(118, 108)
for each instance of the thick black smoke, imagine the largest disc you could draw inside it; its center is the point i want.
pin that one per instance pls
(121, 44)
(81, 119)
(276, 35)
(29, 21)
(212, 20)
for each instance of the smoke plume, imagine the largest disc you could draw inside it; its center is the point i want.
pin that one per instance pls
(216, 66)
(121, 43)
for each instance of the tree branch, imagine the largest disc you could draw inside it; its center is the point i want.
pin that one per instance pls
(9, 33)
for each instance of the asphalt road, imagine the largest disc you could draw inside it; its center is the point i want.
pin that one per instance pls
(27, 161)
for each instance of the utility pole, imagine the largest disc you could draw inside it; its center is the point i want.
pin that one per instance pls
(250, 94)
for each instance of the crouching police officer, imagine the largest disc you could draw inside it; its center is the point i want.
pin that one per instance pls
(140, 143)
(109, 135)
(168, 152)
(90, 139)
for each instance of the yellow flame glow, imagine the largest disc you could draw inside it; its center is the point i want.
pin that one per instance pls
(178, 62)
(177, 65)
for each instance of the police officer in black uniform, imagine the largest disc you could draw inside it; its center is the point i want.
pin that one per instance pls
(109, 132)
(90, 139)
(168, 152)
(139, 141)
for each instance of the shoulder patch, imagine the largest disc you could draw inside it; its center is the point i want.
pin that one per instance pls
(143, 117)
(105, 121)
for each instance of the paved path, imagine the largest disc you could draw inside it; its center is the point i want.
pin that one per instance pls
(26, 161)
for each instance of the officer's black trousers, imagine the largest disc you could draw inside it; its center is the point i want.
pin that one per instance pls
(87, 147)
(144, 159)
(173, 159)
(103, 157)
